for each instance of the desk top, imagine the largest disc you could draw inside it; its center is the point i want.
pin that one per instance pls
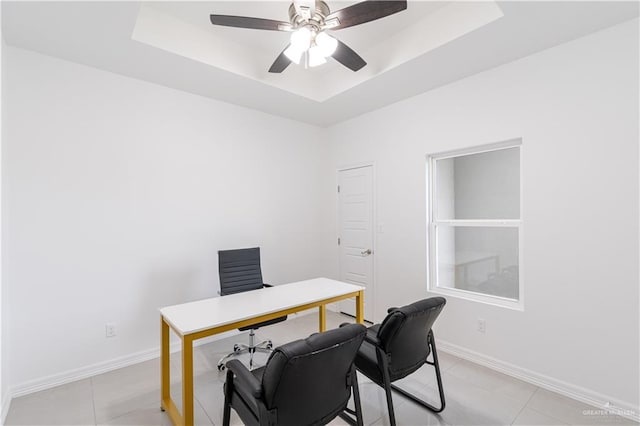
(191, 317)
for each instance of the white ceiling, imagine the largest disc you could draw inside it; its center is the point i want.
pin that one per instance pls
(173, 44)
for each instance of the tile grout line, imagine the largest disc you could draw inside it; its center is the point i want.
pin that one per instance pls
(93, 402)
(560, 422)
(205, 411)
(453, 364)
(527, 403)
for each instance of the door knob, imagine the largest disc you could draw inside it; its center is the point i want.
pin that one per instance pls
(366, 252)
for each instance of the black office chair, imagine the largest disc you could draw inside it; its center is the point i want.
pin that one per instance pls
(305, 382)
(240, 271)
(400, 346)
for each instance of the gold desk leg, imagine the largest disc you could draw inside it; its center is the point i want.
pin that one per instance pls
(187, 380)
(360, 307)
(322, 317)
(165, 372)
(166, 403)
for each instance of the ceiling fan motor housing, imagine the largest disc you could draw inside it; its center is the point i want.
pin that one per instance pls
(316, 19)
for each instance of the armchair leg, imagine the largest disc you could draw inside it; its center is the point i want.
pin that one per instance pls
(382, 360)
(356, 401)
(228, 390)
(436, 365)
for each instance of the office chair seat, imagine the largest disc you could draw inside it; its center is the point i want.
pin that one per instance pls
(263, 324)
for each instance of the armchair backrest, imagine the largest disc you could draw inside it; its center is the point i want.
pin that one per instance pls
(404, 334)
(309, 380)
(239, 270)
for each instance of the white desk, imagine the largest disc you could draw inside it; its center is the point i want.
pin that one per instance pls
(195, 320)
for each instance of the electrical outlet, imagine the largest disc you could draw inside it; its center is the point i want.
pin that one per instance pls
(482, 325)
(110, 329)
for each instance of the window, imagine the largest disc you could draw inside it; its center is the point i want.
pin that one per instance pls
(475, 224)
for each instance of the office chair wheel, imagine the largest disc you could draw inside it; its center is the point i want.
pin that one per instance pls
(221, 367)
(236, 348)
(270, 345)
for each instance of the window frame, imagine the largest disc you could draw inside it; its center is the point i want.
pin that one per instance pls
(432, 224)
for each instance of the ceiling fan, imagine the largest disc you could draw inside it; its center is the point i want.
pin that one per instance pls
(308, 23)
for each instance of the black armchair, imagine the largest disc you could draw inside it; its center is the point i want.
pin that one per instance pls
(305, 382)
(240, 271)
(399, 346)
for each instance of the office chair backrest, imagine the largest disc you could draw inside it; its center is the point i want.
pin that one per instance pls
(309, 380)
(404, 332)
(239, 270)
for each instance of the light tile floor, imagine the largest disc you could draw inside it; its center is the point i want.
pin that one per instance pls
(474, 395)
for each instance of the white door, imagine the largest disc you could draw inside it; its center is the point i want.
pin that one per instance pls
(355, 234)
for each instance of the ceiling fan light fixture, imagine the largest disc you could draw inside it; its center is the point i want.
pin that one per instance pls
(326, 44)
(294, 54)
(301, 39)
(316, 57)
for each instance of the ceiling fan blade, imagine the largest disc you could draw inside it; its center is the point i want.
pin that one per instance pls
(362, 12)
(251, 23)
(281, 62)
(348, 57)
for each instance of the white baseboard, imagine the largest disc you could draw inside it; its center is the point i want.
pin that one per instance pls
(101, 367)
(69, 376)
(587, 396)
(578, 393)
(6, 404)
(112, 364)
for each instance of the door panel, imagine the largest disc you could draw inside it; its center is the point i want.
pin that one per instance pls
(355, 217)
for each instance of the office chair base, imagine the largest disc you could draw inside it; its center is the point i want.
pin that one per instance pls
(239, 349)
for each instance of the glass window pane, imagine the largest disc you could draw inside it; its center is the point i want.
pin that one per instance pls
(479, 186)
(479, 259)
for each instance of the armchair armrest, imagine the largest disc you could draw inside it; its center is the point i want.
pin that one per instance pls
(244, 378)
(372, 338)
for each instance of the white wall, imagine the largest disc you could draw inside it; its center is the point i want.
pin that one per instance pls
(576, 109)
(117, 195)
(4, 385)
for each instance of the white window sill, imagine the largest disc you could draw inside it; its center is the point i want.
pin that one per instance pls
(517, 305)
